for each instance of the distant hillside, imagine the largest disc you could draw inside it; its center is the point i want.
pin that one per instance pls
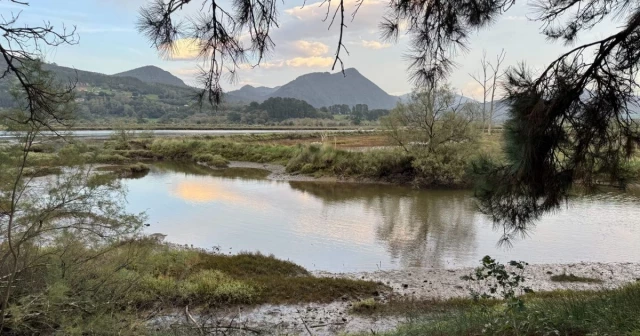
(104, 96)
(249, 93)
(323, 89)
(153, 74)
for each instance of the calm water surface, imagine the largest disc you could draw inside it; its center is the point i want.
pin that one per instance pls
(351, 227)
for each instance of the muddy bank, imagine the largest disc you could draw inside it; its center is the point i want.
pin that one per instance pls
(335, 318)
(279, 173)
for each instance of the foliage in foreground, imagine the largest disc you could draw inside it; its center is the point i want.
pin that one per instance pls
(608, 312)
(115, 288)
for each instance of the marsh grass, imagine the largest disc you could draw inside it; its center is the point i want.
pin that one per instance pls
(135, 170)
(121, 283)
(412, 307)
(573, 278)
(606, 312)
(191, 149)
(257, 278)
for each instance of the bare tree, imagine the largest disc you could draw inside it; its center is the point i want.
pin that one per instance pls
(488, 79)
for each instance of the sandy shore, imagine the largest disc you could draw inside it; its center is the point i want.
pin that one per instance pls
(334, 318)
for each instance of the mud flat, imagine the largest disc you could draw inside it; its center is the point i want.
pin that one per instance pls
(417, 283)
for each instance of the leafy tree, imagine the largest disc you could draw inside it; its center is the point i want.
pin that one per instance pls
(279, 108)
(234, 117)
(431, 118)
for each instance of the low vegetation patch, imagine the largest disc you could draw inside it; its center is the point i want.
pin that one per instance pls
(125, 281)
(447, 166)
(135, 170)
(574, 278)
(192, 149)
(411, 307)
(607, 312)
(217, 161)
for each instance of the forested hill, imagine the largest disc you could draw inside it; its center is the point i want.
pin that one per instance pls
(104, 96)
(153, 74)
(323, 89)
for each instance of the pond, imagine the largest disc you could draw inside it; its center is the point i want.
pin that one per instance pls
(343, 227)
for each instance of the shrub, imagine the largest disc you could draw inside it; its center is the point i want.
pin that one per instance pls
(216, 160)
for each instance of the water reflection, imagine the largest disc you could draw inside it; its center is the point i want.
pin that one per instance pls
(419, 228)
(347, 227)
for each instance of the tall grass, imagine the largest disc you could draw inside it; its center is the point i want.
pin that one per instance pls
(607, 312)
(447, 166)
(187, 149)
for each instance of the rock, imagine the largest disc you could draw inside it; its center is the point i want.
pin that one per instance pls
(405, 286)
(376, 293)
(345, 298)
(549, 272)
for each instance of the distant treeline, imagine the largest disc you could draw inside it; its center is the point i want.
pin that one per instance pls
(279, 109)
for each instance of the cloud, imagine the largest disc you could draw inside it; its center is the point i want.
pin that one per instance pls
(516, 18)
(189, 71)
(310, 62)
(374, 44)
(186, 49)
(473, 89)
(296, 62)
(319, 9)
(309, 48)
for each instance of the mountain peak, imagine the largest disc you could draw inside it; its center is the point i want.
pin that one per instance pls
(352, 71)
(153, 74)
(326, 89)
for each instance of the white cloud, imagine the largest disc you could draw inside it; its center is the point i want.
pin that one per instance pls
(310, 62)
(374, 44)
(516, 18)
(319, 9)
(182, 49)
(310, 48)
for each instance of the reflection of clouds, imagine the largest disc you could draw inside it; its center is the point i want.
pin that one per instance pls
(205, 191)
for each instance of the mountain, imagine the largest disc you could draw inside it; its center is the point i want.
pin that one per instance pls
(323, 89)
(249, 93)
(153, 74)
(105, 96)
(326, 89)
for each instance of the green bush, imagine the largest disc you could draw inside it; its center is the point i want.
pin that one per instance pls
(446, 166)
(216, 160)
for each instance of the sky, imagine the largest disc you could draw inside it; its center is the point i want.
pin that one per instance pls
(109, 43)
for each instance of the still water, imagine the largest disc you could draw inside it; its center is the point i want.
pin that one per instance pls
(350, 227)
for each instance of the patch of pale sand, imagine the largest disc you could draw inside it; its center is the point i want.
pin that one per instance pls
(447, 283)
(334, 318)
